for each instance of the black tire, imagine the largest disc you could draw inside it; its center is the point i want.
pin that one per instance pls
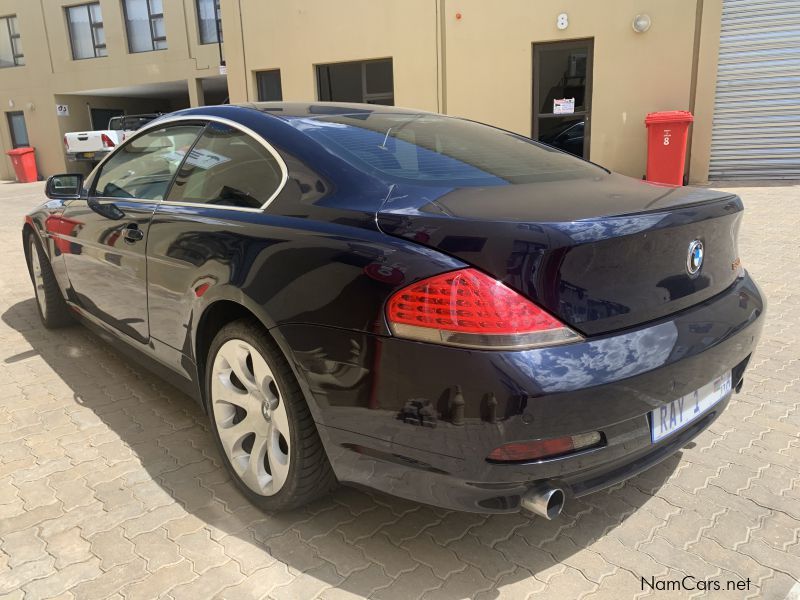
(310, 475)
(53, 309)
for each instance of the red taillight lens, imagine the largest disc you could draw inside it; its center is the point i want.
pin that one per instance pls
(470, 309)
(66, 145)
(539, 449)
(107, 141)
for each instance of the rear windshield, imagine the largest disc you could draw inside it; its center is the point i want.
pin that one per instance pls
(435, 149)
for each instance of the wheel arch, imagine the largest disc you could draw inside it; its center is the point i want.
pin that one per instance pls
(222, 311)
(29, 229)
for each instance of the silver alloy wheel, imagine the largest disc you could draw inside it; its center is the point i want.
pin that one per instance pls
(38, 278)
(251, 417)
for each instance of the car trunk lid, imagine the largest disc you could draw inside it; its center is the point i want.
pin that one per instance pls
(601, 253)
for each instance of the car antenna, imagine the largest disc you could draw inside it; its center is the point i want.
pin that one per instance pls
(386, 137)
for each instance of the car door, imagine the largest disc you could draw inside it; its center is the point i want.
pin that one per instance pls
(211, 227)
(106, 265)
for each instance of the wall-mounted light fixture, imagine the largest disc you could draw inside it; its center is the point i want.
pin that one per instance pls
(641, 23)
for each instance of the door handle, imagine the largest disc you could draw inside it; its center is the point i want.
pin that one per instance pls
(132, 233)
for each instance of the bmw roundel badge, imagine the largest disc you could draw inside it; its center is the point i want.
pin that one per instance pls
(694, 260)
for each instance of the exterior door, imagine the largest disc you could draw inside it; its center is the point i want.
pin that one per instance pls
(101, 117)
(19, 132)
(106, 262)
(562, 95)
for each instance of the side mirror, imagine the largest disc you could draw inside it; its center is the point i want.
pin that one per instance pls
(64, 187)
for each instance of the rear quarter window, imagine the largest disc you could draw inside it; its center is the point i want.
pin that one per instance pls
(227, 167)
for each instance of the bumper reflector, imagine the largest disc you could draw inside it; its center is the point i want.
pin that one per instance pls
(549, 448)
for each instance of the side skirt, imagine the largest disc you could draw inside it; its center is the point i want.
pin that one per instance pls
(181, 374)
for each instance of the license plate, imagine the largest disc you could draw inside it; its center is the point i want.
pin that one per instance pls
(675, 415)
(87, 154)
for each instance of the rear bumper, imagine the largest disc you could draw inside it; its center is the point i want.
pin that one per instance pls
(386, 412)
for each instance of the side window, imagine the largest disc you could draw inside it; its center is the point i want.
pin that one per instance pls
(227, 167)
(144, 166)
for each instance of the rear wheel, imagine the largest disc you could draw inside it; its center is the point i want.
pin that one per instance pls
(261, 422)
(52, 307)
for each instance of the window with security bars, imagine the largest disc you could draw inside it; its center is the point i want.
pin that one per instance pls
(209, 21)
(144, 21)
(10, 43)
(86, 34)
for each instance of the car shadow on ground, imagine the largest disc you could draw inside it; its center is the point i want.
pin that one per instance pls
(132, 423)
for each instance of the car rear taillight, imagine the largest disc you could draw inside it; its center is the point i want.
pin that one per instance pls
(66, 145)
(107, 141)
(539, 449)
(470, 309)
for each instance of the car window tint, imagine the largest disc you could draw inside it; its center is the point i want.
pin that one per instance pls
(227, 167)
(144, 166)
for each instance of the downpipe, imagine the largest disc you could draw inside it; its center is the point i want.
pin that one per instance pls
(544, 500)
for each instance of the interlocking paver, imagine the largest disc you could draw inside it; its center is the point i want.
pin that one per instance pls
(113, 548)
(111, 486)
(156, 549)
(359, 584)
(202, 551)
(68, 547)
(161, 582)
(308, 584)
(22, 546)
(345, 557)
(63, 580)
(411, 584)
(210, 583)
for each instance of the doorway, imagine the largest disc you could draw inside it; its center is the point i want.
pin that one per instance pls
(101, 116)
(562, 94)
(19, 132)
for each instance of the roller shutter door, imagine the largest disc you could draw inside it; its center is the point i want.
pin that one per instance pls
(756, 131)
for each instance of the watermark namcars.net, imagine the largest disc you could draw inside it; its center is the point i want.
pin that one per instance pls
(690, 583)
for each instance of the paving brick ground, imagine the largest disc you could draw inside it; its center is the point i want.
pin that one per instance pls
(110, 486)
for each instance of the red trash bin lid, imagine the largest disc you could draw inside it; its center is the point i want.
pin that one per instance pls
(669, 116)
(20, 151)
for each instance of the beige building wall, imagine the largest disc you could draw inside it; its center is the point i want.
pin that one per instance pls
(489, 66)
(705, 90)
(477, 66)
(51, 76)
(296, 35)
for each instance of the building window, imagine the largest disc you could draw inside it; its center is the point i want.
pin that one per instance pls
(19, 133)
(369, 81)
(86, 33)
(10, 44)
(144, 20)
(269, 85)
(208, 18)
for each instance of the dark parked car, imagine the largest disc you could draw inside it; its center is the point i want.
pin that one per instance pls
(568, 136)
(419, 304)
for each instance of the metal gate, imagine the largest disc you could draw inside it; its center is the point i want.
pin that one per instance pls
(756, 131)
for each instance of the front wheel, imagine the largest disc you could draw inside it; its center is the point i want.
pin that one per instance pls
(52, 307)
(261, 422)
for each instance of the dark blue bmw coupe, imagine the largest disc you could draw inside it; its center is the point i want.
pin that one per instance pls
(424, 305)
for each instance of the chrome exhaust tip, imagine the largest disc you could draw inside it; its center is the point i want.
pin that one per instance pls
(544, 501)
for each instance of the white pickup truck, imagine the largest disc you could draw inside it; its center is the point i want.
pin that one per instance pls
(94, 145)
